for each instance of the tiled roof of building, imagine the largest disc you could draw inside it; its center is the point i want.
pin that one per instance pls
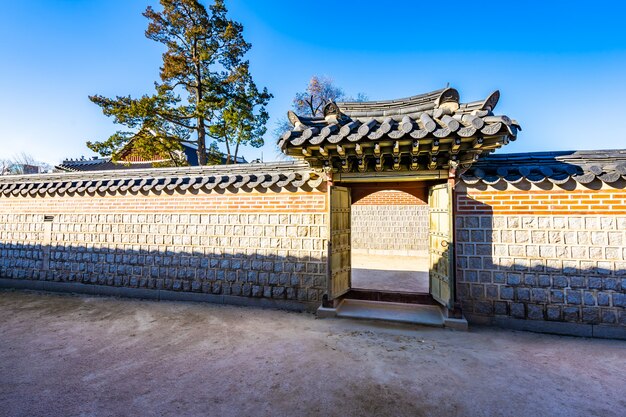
(244, 176)
(99, 164)
(584, 167)
(426, 131)
(105, 164)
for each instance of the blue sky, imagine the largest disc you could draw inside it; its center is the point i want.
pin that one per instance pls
(560, 65)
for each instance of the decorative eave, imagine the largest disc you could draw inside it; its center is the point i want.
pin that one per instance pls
(425, 132)
(245, 177)
(558, 168)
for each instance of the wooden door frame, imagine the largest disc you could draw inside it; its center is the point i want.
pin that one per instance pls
(401, 182)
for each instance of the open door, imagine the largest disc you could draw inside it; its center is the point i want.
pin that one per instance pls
(339, 241)
(441, 245)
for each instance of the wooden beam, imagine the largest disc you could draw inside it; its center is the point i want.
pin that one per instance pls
(433, 162)
(358, 149)
(478, 143)
(391, 176)
(341, 151)
(378, 163)
(361, 164)
(456, 145)
(345, 166)
(415, 147)
(434, 148)
(396, 163)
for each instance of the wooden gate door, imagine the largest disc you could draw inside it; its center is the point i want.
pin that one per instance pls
(339, 242)
(441, 244)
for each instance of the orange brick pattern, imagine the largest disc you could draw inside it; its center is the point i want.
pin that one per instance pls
(284, 202)
(389, 198)
(542, 202)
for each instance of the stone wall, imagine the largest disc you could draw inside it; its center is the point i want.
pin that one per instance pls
(389, 222)
(249, 244)
(550, 255)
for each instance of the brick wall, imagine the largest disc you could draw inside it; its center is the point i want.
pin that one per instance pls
(270, 244)
(389, 221)
(550, 255)
(389, 197)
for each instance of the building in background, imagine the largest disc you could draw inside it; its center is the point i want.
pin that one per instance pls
(128, 159)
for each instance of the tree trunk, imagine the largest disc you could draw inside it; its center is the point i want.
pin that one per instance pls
(227, 151)
(202, 160)
(236, 152)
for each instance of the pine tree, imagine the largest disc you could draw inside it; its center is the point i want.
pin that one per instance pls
(205, 92)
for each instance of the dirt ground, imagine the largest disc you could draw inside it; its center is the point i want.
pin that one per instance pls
(390, 272)
(63, 355)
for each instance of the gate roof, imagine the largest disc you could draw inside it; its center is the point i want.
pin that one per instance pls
(423, 132)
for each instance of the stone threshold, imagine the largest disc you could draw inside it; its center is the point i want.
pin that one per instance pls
(417, 314)
(154, 294)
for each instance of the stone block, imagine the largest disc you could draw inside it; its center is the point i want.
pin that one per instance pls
(500, 308)
(608, 316)
(612, 284)
(573, 297)
(483, 249)
(463, 289)
(485, 276)
(592, 223)
(560, 281)
(256, 291)
(522, 294)
(599, 238)
(613, 253)
(591, 315)
(570, 238)
(619, 299)
(470, 275)
(538, 236)
(539, 295)
(506, 293)
(472, 222)
(514, 278)
(557, 296)
(278, 292)
(478, 291)
(554, 237)
(553, 313)
(589, 298)
(518, 310)
(545, 281)
(483, 307)
(530, 280)
(535, 311)
(594, 283)
(571, 314)
(607, 223)
(616, 238)
(577, 282)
